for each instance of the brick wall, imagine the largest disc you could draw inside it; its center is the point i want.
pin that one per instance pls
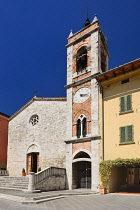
(3, 141)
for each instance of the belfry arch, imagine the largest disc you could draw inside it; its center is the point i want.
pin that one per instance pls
(81, 170)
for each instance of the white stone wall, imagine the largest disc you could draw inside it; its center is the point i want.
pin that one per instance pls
(95, 165)
(52, 183)
(48, 136)
(69, 159)
(69, 64)
(69, 114)
(95, 68)
(95, 108)
(95, 52)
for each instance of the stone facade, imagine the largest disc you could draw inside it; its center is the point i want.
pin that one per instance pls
(52, 183)
(47, 128)
(46, 137)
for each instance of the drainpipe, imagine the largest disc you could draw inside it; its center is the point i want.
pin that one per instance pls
(102, 123)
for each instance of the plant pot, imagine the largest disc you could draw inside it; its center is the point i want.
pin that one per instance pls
(23, 173)
(102, 190)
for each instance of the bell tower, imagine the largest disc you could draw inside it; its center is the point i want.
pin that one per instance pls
(87, 56)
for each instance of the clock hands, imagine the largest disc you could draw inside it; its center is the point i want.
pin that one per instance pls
(82, 95)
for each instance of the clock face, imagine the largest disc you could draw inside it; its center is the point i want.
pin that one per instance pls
(81, 95)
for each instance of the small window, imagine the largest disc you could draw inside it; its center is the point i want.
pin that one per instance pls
(34, 120)
(126, 103)
(125, 81)
(78, 128)
(84, 127)
(126, 134)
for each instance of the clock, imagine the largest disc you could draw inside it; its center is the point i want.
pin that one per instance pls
(81, 95)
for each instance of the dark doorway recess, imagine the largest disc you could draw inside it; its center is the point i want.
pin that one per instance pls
(83, 174)
(32, 162)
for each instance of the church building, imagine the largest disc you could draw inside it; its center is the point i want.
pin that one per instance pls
(73, 132)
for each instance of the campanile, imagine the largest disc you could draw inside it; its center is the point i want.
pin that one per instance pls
(87, 56)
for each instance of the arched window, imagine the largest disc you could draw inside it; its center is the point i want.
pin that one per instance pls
(84, 127)
(81, 59)
(81, 126)
(78, 128)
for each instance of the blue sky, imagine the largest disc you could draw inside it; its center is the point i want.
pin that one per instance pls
(33, 35)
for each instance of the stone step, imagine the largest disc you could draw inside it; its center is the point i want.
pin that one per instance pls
(10, 183)
(41, 200)
(14, 182)
(14, 185)
(13, 178)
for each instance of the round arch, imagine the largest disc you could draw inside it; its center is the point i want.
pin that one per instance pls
(80, 46)
(81, 169)
(33, 157)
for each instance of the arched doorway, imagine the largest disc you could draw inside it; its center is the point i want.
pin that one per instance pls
(32, 159)
(32, 162)
(82, 171)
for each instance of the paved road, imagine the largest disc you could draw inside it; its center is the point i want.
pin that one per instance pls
(85, 202)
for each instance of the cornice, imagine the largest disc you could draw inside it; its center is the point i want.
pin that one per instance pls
(82, 81)
(93, 138)
(83, 36)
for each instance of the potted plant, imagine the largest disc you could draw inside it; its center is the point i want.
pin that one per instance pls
(23, 172)
(39, 169)
(102, 190)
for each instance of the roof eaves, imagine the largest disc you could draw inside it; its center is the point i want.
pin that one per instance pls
(4, 115)
(117, 68)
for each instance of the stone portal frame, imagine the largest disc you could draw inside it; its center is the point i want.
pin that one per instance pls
(77, 161)
(31, 150)
(81, 150)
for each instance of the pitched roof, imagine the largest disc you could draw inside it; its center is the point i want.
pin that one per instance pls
(120, 70)
(4, 115)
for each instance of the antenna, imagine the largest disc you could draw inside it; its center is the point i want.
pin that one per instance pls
(87, 6)
(87, 22)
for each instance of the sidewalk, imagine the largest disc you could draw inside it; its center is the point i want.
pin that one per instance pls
(25, 198)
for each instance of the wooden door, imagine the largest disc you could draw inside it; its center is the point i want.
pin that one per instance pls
(130, 175)
(29, 163)
(38, 162)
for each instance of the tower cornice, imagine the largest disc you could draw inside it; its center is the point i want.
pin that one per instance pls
(82, 81)
(82, 36)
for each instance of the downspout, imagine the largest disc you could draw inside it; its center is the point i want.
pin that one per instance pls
(102, 91)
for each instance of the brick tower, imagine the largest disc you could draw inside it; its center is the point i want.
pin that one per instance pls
(87, 56)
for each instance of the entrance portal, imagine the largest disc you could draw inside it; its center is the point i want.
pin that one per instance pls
(82, 174)
(32, 162)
